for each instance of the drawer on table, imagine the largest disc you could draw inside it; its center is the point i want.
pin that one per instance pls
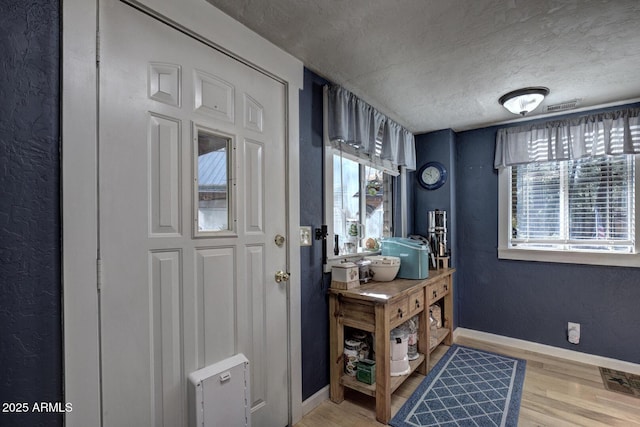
(416, 302)
(399, 311)
(358, 314)
(444, 287)
(435, 291)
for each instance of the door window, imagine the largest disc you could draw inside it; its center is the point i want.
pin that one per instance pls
(212, 182)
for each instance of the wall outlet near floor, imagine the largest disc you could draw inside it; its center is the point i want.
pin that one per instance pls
(573, 332)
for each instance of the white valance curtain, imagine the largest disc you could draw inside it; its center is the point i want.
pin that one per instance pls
(609, 133)
(354, 126)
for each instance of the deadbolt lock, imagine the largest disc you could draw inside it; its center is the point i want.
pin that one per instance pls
(279, 240)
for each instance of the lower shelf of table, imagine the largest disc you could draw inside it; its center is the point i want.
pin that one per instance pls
(441, 335)
(370, 389)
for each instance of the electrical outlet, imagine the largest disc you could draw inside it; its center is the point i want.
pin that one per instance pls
(305, 235)
(573, 332)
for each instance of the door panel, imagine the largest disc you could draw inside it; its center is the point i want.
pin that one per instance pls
(164, 175)
(214, 97)
(254, 197)
(218, 302)
(176, 298)
(166, 341)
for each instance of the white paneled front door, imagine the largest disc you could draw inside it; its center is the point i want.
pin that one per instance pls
(192, 198)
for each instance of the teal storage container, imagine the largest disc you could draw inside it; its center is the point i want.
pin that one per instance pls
(414, 256)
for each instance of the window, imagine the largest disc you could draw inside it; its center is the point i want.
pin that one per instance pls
(567, 189)
(583, 207)
(363, 151)
(362, 208)
(212, 179)
(585, 204)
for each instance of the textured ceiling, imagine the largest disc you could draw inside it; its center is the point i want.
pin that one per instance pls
(435, 64)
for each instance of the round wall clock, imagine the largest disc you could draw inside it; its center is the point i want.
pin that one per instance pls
(432, 175)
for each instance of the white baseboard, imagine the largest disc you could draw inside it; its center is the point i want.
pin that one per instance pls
(576, 356)
(314, 401)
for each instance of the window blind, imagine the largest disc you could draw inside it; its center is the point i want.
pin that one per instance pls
(577, 204)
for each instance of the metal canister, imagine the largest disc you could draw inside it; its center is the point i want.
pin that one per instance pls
(362, 337)
(351, 356)
(364, 270)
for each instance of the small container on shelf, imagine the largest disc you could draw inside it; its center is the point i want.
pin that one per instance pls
(433, 326)
(436, 313)
(345, 276)
(366, 371)
(399, 361)
(412, 342)
(351, 356)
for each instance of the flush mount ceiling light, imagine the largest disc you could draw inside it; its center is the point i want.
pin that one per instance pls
(523, 101)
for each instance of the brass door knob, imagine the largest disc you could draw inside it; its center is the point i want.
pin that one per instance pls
(282, 276)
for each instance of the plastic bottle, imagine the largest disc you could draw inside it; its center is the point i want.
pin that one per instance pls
(412, 347)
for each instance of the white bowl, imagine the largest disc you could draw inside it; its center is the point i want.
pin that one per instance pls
(384, 268)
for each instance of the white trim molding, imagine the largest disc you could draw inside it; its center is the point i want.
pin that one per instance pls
(80, 214)
(315, 400)
(563, 353)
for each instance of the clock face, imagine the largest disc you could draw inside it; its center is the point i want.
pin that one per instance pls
(432, 175)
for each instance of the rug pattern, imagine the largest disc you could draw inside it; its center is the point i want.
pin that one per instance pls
(467, 387)
(621, 382)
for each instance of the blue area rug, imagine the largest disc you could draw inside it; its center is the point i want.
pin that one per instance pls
(467, 387)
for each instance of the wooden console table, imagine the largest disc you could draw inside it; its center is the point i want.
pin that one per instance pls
(379, 307)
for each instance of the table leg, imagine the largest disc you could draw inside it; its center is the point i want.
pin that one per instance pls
(423, 337)
(383, 365)
(448, 311)
(336, 348)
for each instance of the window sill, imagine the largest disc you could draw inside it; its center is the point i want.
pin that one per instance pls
(588, 258)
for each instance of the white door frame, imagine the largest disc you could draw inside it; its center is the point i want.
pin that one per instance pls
(79, 183)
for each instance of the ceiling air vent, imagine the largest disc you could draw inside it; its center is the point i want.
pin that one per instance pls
(569, 105)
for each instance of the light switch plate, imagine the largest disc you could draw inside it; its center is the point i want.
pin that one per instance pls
(305, 235)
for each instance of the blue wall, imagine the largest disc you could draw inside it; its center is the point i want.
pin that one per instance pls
(436, 146)
(533, 301)
(314, 283)
(30, 290)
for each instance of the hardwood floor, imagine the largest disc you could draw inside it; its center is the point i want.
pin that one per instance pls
(556, 393)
